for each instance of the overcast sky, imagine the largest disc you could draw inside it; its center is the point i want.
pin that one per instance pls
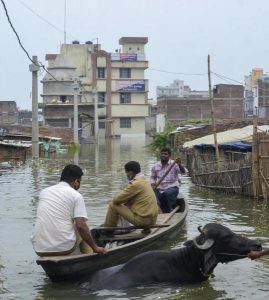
(181, 34)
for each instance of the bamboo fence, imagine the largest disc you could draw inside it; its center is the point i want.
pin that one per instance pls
(232, 176)
(245, 173)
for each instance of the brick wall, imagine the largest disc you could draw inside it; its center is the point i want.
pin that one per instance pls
(182, 109)
(228, 91)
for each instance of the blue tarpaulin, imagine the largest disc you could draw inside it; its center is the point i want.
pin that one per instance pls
(234, 146)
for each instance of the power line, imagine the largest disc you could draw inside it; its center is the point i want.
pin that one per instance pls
(18, 38)
(227, 78)
(179, 73)
(39, 64)
(43, 19)
(40, 17)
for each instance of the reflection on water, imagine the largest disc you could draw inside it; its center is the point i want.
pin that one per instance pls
(102, 164)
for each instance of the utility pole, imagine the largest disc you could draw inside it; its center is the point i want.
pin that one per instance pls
(34, 68)
(64, 21)
(76, 87)
(212, 113)
(96, 121)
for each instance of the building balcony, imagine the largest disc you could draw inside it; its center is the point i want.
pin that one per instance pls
(65, 104)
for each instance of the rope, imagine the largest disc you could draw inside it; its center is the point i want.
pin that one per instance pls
(243, 255)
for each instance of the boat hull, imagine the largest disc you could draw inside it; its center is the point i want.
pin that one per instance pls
(72, 268)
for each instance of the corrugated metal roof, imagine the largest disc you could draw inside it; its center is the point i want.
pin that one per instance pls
(240, 134)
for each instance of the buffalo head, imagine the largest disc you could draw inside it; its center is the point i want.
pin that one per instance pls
(224, 243)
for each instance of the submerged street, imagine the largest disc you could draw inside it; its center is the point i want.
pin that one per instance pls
(102, 164)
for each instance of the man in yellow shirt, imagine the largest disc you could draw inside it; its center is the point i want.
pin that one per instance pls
(136, 203)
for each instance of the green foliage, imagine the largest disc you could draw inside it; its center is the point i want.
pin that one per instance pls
(162, 139)
(72, 147)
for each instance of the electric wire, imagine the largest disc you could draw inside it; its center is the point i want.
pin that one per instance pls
(18, 38)
(43, 19)
(40, 17)
(228, 79)
(179, 73)
(39, 64)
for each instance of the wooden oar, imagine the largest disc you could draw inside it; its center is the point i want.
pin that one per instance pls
(164, 175)
(167, 218)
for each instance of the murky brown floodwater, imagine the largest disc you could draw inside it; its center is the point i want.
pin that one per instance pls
(21, 278)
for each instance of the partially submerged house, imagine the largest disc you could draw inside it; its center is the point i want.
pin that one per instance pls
(243, 165)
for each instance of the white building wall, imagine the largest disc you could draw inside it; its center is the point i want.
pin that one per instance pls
(129, 110)
(133, 48)
(176, 88)
(138, 127)
(101, 62)
(137, 74)
(136, 98)
(160, 123)
(80, 56)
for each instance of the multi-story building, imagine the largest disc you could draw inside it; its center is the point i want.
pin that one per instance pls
(114, 80)
(176, 88)
(8, 112)
(263, 96)
(251, 91)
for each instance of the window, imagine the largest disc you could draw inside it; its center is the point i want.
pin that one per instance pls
(101, 73)
(63, 99)
(102, 125)
(125, 73)
(125, 98)
(125, 122)
(101, 97)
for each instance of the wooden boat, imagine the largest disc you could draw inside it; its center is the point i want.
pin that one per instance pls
(74, 267)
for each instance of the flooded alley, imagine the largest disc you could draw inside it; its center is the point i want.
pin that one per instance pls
(102, 164)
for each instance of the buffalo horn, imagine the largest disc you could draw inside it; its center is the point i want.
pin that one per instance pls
(206, 245)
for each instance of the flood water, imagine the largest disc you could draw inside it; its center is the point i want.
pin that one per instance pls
(21, 278)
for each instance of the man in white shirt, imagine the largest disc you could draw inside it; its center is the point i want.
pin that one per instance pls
(61, 227)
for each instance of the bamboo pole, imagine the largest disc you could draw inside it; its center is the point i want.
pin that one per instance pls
(217, 172)
(265, 180)
(212, 113)
(219, 186)
(255, 160)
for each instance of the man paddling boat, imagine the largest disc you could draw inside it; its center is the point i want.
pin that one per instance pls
(164, 180)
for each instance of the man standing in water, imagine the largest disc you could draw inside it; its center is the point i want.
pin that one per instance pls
(61, 227)
(167, 191)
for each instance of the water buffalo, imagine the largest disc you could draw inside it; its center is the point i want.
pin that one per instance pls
(192, 263)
